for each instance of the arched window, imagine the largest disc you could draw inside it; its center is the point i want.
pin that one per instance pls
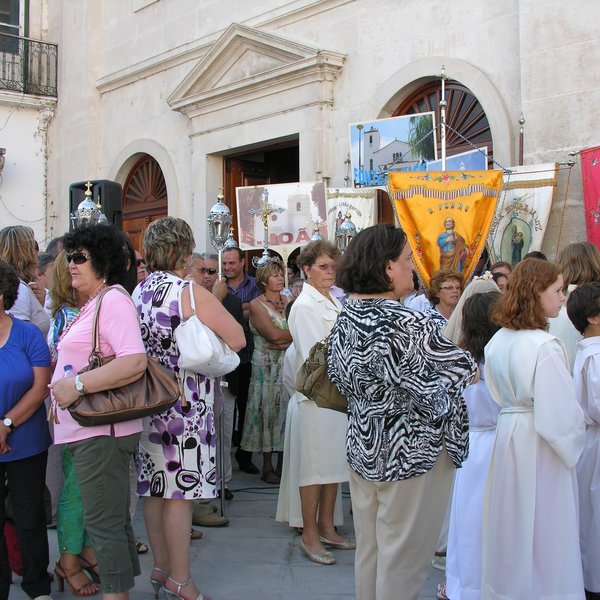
(145, 190)
(464, 114)
(144, 198)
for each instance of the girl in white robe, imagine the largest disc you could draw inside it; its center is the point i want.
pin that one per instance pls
(530, 525)
(463, 565)
(584, 311)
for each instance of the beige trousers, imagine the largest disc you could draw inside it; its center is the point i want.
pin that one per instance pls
(397, 526)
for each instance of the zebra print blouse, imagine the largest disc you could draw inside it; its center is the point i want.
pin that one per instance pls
(404, 383)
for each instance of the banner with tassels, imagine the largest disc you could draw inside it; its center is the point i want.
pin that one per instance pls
(522, 213)
(446, 216)
(590, 173)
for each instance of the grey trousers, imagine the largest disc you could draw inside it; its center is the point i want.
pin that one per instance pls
(102, 467)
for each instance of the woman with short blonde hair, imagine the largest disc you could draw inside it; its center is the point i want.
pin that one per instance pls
(17, 248)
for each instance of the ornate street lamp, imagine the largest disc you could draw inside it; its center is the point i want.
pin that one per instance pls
(87, 212)
(219, 222)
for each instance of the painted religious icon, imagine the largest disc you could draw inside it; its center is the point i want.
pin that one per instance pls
(453, 248)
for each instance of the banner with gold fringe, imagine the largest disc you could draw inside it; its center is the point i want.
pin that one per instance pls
(522, 212)
(590, 174)
(446, 216)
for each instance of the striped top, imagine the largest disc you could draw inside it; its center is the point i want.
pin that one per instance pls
(404, 382)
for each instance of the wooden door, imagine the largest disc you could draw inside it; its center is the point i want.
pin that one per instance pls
(144, 199)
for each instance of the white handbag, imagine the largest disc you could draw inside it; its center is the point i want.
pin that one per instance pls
(200, 349)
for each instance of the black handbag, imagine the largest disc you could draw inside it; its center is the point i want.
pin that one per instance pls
(313, 382)
(154, 392)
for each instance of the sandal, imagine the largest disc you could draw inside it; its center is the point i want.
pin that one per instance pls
(441, 591)
(271, 477)
(141, 547)
(91, 568)
(180, 585)
(89, 588)
(158, 577)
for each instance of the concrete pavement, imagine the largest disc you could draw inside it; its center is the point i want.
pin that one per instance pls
(254, 557)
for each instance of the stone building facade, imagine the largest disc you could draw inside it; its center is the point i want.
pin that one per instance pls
(175, 98)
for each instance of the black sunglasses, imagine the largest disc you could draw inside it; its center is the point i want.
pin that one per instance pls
(78, 257)
(140, 261)
(209, 271)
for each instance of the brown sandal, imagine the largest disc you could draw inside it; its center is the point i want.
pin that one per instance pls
(87, 589)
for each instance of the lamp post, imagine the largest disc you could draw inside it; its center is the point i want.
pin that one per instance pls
(360, 127)
(219, 222)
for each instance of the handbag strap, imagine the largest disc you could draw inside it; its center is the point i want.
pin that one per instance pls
(96, 325)
(192, 301)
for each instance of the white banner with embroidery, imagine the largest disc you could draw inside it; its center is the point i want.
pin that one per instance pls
(522, 213)
(360, 204)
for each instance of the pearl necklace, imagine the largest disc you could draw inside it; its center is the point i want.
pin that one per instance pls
(81, 310)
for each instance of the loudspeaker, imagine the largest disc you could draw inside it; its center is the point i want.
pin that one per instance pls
(110, 194)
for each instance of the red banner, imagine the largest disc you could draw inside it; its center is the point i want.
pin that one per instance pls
(590, 173)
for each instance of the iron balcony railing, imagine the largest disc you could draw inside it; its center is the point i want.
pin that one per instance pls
(28, 66)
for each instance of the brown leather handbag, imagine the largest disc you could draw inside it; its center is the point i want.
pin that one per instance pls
(154, 392)
(313, 382)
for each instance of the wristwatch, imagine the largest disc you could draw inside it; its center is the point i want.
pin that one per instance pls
(7, 421)
(79, 385)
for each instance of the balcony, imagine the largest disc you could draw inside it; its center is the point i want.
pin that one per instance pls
(28, 66)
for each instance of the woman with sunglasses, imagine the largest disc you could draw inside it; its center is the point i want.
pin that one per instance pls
(75, 547)
(445, 288)
(314, 457)
(101, 454)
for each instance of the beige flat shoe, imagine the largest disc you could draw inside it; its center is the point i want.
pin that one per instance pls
(322, 558)
(345, 544)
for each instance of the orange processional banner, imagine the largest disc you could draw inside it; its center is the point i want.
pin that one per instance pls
(446, 216)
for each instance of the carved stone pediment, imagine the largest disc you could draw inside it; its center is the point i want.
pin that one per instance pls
(247, 64)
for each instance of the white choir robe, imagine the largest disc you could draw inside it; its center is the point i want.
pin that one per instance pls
(586, 373)
(463, 562)
(530, 524)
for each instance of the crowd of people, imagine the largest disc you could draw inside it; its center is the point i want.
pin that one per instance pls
(471, 429)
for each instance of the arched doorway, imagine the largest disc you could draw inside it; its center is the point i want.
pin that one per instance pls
(144, 198)
(464, 114)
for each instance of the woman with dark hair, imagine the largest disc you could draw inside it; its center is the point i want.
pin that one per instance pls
(407, 421)
(101, 454)
(264, 422)
(24, 440)
(314, 461)
(178, 447)
(445, 288)
(74, 543)
(531, 506)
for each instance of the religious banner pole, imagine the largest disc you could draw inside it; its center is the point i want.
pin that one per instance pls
(443, 105)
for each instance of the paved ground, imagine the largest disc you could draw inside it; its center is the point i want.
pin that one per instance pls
(254, 557)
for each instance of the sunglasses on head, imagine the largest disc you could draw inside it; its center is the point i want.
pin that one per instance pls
(209, 271)
(78, 257)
